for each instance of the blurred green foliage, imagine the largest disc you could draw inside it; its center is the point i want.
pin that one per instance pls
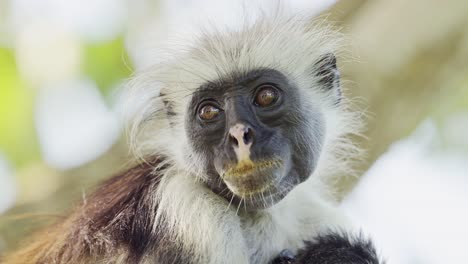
(17, 134)
(106, 63)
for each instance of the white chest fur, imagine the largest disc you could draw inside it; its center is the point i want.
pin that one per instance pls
(204, 224)
(299, 217)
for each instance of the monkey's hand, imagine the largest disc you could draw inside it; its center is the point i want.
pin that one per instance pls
(332, 248)
(285, 257)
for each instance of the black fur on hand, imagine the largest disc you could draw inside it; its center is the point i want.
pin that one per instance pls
(338, 248)
(285, 257)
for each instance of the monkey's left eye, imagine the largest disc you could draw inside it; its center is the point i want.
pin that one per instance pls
(208, 112)
(266, 95)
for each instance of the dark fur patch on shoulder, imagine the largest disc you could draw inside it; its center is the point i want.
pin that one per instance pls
(338, 247)
(124, 206)
(120, 215)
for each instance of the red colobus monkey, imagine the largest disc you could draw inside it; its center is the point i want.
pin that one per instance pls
(235, 135)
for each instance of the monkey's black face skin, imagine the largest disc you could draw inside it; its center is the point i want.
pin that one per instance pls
(258, 139)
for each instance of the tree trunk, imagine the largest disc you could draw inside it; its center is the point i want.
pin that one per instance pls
(407, 57)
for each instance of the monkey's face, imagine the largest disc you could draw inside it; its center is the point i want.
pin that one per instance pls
(258, 137)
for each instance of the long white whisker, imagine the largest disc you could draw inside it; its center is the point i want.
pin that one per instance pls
(230, 202)
(238, 206)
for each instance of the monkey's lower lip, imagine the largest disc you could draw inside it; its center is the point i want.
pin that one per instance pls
(251, 179)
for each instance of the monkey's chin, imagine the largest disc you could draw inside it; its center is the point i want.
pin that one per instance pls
(259, 188)
(257, 199)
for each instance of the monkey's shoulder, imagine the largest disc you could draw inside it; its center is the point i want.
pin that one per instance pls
(120, 216)
(115, 224)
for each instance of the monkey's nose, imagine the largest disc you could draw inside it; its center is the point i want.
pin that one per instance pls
(240, 134)
(241, 138)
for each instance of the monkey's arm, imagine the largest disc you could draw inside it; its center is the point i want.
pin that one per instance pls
(333, 247)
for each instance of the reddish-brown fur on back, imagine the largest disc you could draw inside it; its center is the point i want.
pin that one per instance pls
(115, 223)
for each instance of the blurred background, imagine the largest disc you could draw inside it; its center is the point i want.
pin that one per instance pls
(63, 66)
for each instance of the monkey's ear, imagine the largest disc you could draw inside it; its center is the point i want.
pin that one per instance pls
(328, 74)
(169, 108)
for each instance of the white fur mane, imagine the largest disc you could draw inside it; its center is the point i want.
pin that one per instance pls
(213, 231)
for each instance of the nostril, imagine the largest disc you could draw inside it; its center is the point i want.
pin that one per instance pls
(248, 136)
(233, 140)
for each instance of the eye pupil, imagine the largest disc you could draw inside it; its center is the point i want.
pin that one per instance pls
(209, 112)
(266, 96)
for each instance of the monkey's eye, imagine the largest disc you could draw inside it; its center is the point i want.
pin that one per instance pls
(266, 95)
(208, 112)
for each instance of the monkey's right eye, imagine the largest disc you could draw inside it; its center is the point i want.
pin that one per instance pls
(209, 112)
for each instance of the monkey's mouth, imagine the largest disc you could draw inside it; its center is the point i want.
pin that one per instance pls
(248, 178)
(245, 168)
